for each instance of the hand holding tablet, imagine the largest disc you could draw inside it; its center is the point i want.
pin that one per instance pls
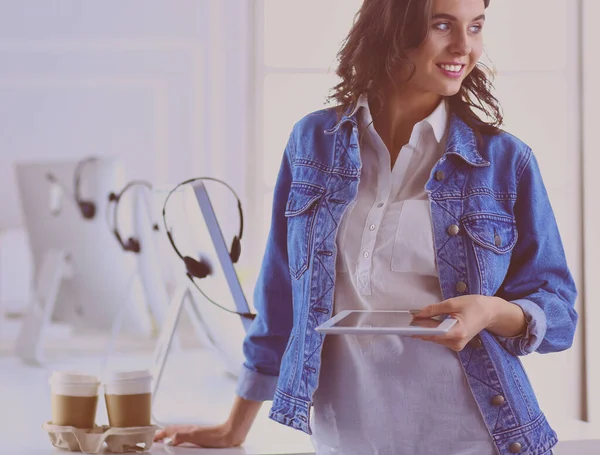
(385, 322)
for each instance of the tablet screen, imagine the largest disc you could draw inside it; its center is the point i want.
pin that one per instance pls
(385, 319)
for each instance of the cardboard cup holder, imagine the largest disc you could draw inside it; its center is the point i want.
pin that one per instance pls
(118, 440)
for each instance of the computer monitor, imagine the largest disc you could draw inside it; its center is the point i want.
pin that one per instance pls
(196, 232)
(102, 274)
(154, 271)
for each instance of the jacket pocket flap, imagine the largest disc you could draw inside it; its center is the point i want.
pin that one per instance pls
(494, 232)
(302, 196)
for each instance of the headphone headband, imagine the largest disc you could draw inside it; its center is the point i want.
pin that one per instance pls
(88, 208)
(236, 239)
(132, 244)
(201, 269)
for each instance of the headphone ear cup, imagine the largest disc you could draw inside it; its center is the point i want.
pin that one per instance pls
(133, 245)
(88, 209)
(236, 250)
(198, 269)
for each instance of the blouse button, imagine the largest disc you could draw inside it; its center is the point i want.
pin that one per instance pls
(372, 227)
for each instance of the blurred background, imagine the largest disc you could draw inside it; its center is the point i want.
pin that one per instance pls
(166, 91)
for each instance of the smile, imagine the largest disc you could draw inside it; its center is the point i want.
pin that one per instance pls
(450, 70)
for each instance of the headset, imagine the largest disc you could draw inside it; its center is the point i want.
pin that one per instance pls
(86, 207)
(132, 245)
(201, 268)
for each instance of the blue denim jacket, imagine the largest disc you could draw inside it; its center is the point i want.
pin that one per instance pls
(508, 245)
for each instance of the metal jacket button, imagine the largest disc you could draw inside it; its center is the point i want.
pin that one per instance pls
(453, 229)
(440, 175)
(461, 287)
(515, 447)
(498, 400)
(475, 343)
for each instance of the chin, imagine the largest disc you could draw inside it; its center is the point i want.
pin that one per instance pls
(450, 90)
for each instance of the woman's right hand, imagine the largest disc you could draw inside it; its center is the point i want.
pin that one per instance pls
(214, 437)
(230, 434)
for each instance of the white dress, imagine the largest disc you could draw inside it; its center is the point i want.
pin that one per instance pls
(384, 394)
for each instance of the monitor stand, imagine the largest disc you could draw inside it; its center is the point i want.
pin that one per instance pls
(56, 267)
(167, 334)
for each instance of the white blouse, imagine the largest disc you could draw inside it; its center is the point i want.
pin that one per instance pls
(384, 394)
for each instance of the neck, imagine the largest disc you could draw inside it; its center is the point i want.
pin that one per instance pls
(403, 109)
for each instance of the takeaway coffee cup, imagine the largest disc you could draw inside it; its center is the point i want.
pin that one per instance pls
(74, 399)
(128, 398)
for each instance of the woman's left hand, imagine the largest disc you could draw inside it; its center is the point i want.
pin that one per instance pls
(473, 313)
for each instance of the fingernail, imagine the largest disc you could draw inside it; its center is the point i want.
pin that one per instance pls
(168, 441)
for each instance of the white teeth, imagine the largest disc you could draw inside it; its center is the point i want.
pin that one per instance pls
(451, 68)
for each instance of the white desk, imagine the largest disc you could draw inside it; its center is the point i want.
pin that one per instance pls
(194, 390)
(190, 394)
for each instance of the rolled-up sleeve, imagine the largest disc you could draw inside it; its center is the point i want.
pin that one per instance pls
(538, 279)
(269, 333)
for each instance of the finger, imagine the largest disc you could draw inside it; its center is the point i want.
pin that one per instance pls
(424, 338)
(193, 437)
(430, 338)
(179, 438)
(160, 435)
(425, 322)
(436, 309)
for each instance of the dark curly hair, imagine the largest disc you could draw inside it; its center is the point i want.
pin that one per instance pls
(382, 32)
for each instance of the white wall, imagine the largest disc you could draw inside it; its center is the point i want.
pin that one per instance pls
(162, 85)
(591, 206)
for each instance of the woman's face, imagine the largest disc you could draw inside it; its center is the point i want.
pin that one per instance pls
(452, 48)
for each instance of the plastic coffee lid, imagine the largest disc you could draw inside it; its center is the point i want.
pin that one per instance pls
(73, 377)
(128, 375)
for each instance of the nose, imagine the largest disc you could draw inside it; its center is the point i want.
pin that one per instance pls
(461, 43)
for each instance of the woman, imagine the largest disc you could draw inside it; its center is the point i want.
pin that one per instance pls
(400, 198)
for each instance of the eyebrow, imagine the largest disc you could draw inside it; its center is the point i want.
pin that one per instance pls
(452, 18)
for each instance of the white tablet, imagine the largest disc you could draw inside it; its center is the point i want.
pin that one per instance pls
(389, 322)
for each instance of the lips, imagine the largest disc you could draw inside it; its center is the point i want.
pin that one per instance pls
(451, 67)
(452, 70)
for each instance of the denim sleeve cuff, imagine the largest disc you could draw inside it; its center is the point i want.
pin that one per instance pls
(534, 335)
(256, 386)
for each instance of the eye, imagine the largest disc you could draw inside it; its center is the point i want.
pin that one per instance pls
(442, 26)
(476, 28)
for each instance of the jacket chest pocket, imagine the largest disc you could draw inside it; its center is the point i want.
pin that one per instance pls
(494, 237)
(300, 211)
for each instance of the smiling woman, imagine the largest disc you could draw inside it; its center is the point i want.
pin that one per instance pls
(399, 197)
(430, 51)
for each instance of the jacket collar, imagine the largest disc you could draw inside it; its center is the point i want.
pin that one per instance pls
(461, 140)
